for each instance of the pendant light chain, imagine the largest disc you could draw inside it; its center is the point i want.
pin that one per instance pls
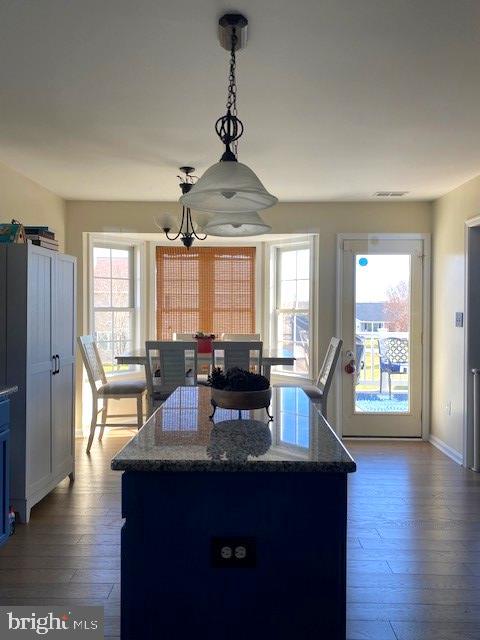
(230, 187)
(232, 85)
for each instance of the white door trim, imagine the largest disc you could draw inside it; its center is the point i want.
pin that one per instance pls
(426, 238)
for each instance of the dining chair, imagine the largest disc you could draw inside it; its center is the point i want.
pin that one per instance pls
(240, 337)
(318, 391)
(105, 390)
(245, 355)
(169, 364)
(393, 354)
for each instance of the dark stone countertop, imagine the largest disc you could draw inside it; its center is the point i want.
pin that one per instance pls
(7, 391)
(179, 436)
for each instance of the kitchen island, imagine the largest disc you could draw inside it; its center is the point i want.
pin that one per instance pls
(234, 529)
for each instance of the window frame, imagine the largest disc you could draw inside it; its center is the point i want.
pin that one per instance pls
(276, 249)
(136, 268)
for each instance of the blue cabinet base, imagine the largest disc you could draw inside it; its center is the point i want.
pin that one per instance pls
(296, 523)
(4, 469)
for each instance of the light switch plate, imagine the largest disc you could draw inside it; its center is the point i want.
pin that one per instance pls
(459, 319)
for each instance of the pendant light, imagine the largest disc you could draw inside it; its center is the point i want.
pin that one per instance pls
(232, 225)
(187, 232)
(230, 186)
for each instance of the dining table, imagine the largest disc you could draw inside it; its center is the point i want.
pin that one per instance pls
(270, 358)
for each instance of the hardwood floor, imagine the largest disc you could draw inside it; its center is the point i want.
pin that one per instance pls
(414, 543)
(414, 527)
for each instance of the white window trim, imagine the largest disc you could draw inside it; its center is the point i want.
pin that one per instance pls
(138, 278)
(270, 292)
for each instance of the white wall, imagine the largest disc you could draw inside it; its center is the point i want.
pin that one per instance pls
(448, 379)
(31, 204)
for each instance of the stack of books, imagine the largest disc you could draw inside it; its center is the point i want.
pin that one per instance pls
(42, 237)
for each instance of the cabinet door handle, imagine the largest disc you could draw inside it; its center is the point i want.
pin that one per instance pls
(58, 363)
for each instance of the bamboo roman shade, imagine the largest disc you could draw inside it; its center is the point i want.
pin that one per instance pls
(209, 289)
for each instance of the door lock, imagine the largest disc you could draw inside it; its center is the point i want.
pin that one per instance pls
(350, 365)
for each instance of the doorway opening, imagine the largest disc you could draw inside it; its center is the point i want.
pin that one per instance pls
(471, 454)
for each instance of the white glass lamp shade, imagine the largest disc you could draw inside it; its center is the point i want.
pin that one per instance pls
(233, 225)
(228, 187)
(165, 221)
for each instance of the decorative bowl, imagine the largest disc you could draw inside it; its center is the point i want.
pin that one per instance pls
(241, 399)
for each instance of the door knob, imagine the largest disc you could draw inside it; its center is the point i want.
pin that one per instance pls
(350, 364)
(350, 367)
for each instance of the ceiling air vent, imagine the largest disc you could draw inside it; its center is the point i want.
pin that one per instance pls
(390, 194)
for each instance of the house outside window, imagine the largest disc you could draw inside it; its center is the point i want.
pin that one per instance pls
(372, 327)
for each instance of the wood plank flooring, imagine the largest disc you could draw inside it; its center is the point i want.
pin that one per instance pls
(414, 543)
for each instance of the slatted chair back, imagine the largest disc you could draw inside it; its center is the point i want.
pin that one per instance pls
(92, 362)
(170, 364)
(241, 337)
(327, 369)
(393, 350)
(245, 355)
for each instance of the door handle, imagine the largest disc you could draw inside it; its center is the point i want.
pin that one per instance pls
(56, 364)
(350, 364)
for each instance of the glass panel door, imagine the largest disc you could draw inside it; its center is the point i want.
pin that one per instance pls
(382, 332)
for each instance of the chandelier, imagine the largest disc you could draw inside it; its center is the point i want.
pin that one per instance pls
(229, 187)
(187, 232)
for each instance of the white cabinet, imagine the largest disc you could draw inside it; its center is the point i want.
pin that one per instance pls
(37, 299)
(64, 346)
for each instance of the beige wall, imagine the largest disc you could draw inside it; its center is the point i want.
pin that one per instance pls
(326, 219)
(448, 379)
(31, 204)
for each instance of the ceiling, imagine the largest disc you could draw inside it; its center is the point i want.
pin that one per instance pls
(104, 100)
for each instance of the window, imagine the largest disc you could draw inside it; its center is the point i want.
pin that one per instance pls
(292, 306)
(294, 418)
(210, 289)
(113, 303)
(372, 327)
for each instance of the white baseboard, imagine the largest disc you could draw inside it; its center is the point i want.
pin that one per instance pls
(382, 438)
(452, 453)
